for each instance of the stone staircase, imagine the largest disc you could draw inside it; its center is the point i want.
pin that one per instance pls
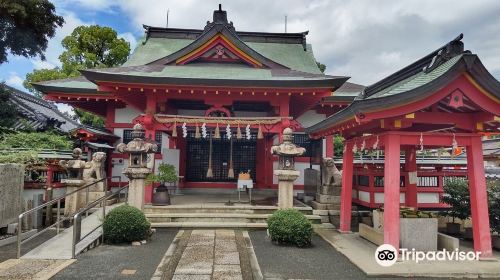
(215, 216)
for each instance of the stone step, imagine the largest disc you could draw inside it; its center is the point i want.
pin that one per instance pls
(208, 225)
(201, 208)
(216, 217)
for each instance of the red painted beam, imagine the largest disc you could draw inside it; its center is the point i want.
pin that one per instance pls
(391, 191)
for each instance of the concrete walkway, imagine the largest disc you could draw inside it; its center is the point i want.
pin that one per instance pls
(362, 253)
(205, 255)
(59, 247)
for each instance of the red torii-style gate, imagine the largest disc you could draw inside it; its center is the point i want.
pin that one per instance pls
(391, 142)
(446, 99)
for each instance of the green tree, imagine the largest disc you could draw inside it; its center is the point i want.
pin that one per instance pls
(88, 118)
(321, 67)
(87, 47)
(456, 194)
(8, 112)
(26, 26)
(92, 47)
(338, 146)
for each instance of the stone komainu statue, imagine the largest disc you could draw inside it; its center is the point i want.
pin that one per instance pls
(330, 175)
(94, 170)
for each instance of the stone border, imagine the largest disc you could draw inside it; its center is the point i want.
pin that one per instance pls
(167, 265)
(12, 239)
(254, 263)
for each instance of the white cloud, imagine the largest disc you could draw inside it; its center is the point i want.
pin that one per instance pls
(15, 81)
(366, 40)
(129, 37)
(55, 48)
(65, 108)
(42, 64)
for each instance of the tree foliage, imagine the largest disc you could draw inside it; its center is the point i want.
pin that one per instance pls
(494, 204)
(35, 141)
(26, 26)
(166, 174)
(87, 47)
(23, 147)
(8, 111)
(338, 146)
(93, 47)
(88, 118)
(321, 67)
(456, 194)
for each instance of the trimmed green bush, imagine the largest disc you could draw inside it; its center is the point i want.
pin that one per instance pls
(125, 224)
(289, 226)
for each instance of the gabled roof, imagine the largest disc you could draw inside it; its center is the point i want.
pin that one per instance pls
(415, 82)
(219, 31)
(169, 56)
(37, 113)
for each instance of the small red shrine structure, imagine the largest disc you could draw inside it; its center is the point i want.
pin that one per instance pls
(191, 89)
(446, 99)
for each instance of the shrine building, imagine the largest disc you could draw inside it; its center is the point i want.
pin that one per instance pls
(214, 98)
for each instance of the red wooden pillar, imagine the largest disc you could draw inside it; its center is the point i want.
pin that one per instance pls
(478, 198)
(411, 168)
(391, 190)
(346, 193)
(329, 146)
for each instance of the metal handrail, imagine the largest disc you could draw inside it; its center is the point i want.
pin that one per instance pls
(77, 218)
(58, 219)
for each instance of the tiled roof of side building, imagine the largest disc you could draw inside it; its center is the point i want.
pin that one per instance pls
(416, 81)
(38, 113)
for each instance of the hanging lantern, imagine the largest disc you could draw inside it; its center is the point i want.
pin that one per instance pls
(260, 135)
(228, 131)
(174, 130)
(217, 132)
(197, 132)
(238, 133)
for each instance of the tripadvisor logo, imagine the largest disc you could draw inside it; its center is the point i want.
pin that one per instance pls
(386, 255)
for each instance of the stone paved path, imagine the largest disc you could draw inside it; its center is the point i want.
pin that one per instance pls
(209, 254)
(205, 255)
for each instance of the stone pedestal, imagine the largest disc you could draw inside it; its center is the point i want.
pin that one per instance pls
(137, 185)
(285, 187)
(75, 201)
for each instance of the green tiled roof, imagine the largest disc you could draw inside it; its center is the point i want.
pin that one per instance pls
(290, 55)
(417, 80)
(214, 71)
(154, 49)
(77, 83)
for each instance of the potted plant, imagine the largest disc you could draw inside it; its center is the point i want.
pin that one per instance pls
(166, 174)
(456, 195)
(494, 211)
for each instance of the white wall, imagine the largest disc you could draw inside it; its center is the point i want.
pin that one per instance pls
(126, 115)
(428, 197)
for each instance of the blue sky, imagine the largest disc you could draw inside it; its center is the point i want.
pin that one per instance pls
(363, 39)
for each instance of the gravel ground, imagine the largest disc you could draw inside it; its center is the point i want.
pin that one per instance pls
(321, 261)
(110, 261)
(10, 251)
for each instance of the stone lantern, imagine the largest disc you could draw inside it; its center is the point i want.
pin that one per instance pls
(137, 170)
(286, 172)
(74, 181)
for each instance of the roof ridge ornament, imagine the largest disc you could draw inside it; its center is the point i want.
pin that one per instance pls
(220, 18)
(447, 52)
